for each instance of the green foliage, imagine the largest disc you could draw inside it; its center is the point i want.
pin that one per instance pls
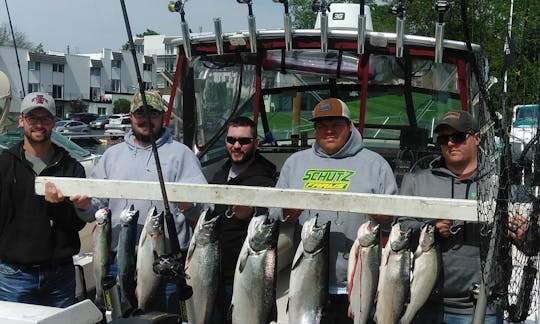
(121, 106)
(147, 32)
(487, 23)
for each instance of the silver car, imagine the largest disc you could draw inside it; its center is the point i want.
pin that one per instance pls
(71, 126)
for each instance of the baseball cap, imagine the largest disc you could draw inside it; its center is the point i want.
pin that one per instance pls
(35, 100)
(461, 121)
(153, 99)
(331, 107)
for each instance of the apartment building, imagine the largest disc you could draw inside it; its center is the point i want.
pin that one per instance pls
(88, 81)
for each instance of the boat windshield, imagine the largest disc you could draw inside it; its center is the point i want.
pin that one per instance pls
(403, 93)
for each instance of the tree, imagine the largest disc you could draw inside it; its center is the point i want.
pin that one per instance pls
(121, 106)
(487, 22)
(20, 38)
(148, 32)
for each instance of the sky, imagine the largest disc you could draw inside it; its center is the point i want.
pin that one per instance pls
(88, 26)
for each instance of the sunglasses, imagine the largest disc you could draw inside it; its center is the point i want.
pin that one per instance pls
(456, 138)
(242, 140)
(140, 113)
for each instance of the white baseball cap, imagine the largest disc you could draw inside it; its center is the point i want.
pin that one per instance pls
(38, 100)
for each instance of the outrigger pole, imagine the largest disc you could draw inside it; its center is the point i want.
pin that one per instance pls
(169, 266)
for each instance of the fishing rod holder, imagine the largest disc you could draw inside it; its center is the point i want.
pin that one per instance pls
(361, 29)
(178, 6)
(287, 24)
(322, 7)
(441, 7)
(252, 26)
(399, 11)
(219, 35)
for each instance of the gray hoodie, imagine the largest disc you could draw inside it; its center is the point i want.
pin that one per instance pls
(129, 161)
(460, 251)
(352, 169)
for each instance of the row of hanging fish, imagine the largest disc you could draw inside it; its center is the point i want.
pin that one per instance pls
(389, 280)
(136, 278)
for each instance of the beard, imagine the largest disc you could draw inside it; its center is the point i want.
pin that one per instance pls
(28, 135)
(146, 139)
(248, 156)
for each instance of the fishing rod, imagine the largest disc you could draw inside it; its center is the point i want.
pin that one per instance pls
(15, 46)
(169, 266)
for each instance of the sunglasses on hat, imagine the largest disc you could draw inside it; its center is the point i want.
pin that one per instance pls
(456, 138)
(242, 140)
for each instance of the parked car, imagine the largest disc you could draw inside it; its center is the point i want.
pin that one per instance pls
(83, 117)
(100, 122)
(71, 126)
(118, 126)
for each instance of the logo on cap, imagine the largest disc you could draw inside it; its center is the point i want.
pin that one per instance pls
(325, 107)
(40, 99)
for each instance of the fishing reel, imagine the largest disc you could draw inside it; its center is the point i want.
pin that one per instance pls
(442, 6)
(176, 6)
(320, 6)
(171, 267)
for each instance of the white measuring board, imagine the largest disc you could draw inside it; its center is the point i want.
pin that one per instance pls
(392, 205)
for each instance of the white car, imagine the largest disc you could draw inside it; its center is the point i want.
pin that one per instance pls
(71, 126)
(118, 126)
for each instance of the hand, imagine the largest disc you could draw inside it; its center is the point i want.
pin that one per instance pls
(81, 202)
(381, 219)
(185, 206)
(53, 194)
(291, 215)
(517, 227)
(443, 226)
(242, 212)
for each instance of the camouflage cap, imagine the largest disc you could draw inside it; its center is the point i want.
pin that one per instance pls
(461, 121)
(153, 99)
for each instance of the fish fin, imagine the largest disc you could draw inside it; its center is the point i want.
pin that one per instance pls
(229, 313)
(242, 260)
(299, 255)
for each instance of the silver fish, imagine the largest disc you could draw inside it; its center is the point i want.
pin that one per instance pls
(254, 287)
(363, 271)
(152, 241)
(425, 272)
(126, 259)
(102, 247)
(394, 278)
(203, 270)
(308, 287)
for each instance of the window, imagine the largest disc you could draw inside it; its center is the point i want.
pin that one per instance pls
(33, 66)
(170, 64)
(95, 92)
(169, 49)
(115, 85)
(139, 49)
(95, 71)
(116, 64)
(33, 87)
(58, 68)
(58, 91)
(147, 85)
(147, 67)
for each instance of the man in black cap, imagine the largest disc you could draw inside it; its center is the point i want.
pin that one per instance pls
(454, 175)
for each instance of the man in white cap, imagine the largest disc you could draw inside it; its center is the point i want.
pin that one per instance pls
(338, 161)
(38, 235)
(133, 159)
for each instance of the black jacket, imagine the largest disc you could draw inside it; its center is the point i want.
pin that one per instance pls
(260, 172)
(33, 231)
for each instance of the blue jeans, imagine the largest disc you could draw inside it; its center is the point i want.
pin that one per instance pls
(48, 286)
(452, 318)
